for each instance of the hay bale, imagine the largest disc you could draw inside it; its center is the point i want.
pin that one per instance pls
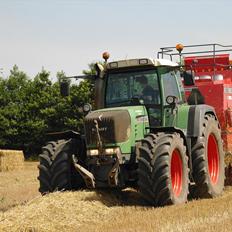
(11, 160)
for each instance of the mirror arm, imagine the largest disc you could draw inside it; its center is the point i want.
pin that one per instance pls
(84, 77)
(174, 108)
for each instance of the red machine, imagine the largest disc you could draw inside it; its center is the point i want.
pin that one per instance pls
(213, 78)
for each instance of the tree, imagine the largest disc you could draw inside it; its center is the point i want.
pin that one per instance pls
(91, 70)
(12, 98)
(30, 108)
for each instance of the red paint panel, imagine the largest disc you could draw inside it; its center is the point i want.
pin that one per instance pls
(217, 93)
(207, 63)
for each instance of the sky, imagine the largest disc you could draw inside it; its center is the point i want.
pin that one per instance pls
(68, 35)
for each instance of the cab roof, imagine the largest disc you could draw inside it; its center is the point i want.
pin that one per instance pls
(140, 62)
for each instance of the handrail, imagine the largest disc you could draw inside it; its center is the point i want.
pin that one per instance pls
(171, 51)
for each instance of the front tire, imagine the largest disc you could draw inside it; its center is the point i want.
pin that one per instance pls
(208, 160)
(163, 169)
(56, 171)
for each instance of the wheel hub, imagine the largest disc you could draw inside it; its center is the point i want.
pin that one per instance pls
(213, 159)
(176, 172)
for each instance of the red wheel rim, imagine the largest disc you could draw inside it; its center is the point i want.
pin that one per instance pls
(176, 172)
(213, 159)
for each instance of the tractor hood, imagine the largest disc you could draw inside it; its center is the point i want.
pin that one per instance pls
(119, 126)
(114, 126)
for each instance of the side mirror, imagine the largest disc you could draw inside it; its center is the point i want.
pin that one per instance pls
(188, 78)
(64, 87)
(99, 69)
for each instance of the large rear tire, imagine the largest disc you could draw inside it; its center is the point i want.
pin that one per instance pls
(208, 161)
(56, 171)
(163, 169)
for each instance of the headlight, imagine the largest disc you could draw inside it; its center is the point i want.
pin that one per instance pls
(143, 61)
(113, 64)
(111, 151)
(107, 151)
(93, 152)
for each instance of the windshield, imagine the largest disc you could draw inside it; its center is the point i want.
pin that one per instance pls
(124, 87)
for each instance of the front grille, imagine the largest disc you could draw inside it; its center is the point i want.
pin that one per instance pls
(114, 126)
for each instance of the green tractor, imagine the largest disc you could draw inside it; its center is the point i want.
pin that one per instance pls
(142, 134)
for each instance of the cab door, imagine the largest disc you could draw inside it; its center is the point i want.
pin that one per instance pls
(171, 86)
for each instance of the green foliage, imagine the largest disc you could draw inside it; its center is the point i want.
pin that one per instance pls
(91, 70)
(29, 108)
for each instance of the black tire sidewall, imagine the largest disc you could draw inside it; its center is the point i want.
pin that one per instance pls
(74, 178)
(155, 180)
(56, 170)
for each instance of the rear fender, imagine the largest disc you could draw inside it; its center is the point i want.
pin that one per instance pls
(64, 135)
(78, 142)
(196, 119)
(172, 130)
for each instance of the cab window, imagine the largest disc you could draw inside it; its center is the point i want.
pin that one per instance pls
(170, 85)
(123, 87)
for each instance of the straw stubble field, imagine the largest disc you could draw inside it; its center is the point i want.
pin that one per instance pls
(23, 209)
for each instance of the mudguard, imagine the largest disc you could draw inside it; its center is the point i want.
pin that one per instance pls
(64, 135)
(196, 119)
(172, 130)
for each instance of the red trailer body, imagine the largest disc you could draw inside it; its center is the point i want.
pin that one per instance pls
(213, 78)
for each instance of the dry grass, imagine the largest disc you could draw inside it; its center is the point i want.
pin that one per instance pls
(17, 187)
(11, 160)
(91, 211)
(105, 211)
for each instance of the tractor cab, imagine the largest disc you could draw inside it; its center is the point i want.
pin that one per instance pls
(154, 84)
